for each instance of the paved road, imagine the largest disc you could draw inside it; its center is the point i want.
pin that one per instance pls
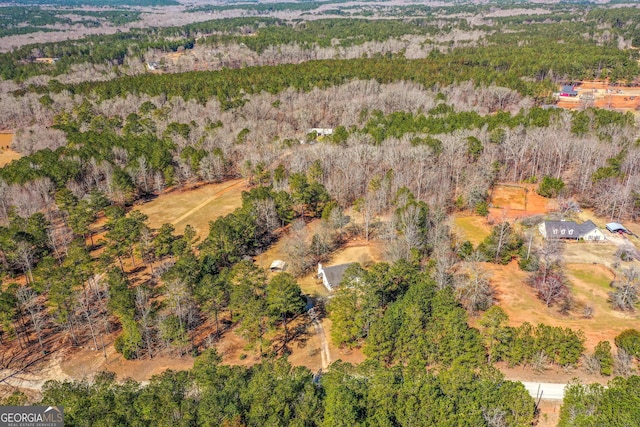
(548, 391)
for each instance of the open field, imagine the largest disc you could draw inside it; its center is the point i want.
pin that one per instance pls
(589, 286)
(194, 207)
(472, 228)
(7, 155)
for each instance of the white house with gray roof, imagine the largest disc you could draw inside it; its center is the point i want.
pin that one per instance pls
(332, 276)
(571, 230)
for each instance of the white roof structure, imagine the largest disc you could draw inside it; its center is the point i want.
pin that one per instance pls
(278, 265)
(616, 227)
(321, 131)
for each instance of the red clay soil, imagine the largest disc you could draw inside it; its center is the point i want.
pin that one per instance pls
(85, 362)
(535, 204)
(624, 98)
(618, 102)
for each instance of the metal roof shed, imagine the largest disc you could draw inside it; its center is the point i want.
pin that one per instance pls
(616, 227)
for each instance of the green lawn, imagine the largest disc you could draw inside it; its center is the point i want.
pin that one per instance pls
(472, 228)
(592, 276)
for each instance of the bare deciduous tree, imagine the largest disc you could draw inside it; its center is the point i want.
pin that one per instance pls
(25, 258)
(144, 310)
(29, 303)
(473, 289)
(625, 296)
(297, 249)
(623, 363)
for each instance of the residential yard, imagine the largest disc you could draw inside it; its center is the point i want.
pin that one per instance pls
(194, 207)
(581, 252)
(589, 286)
(588, 214)
(604, 96)
(355, 249)
(306, 348)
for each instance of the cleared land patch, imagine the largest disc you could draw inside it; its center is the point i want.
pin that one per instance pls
(82, 363)
(513, 200)
(601, 94)
(194, 207)
(7, 155)
(509, 197)
(174, 56)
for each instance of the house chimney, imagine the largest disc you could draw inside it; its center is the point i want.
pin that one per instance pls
(319, 268)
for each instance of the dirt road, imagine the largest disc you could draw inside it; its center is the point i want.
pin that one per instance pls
(546, 391)
(325, 352)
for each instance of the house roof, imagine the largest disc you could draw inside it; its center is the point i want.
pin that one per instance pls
(321, 131)
(568, 229)
(616, 226)
(569, 90)
(334, 273)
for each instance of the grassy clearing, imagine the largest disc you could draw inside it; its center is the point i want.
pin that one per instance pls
(471, 228)
(589, 253)
(593, 274)
(194, 207)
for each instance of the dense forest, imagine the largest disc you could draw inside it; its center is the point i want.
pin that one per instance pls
(428, 112)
